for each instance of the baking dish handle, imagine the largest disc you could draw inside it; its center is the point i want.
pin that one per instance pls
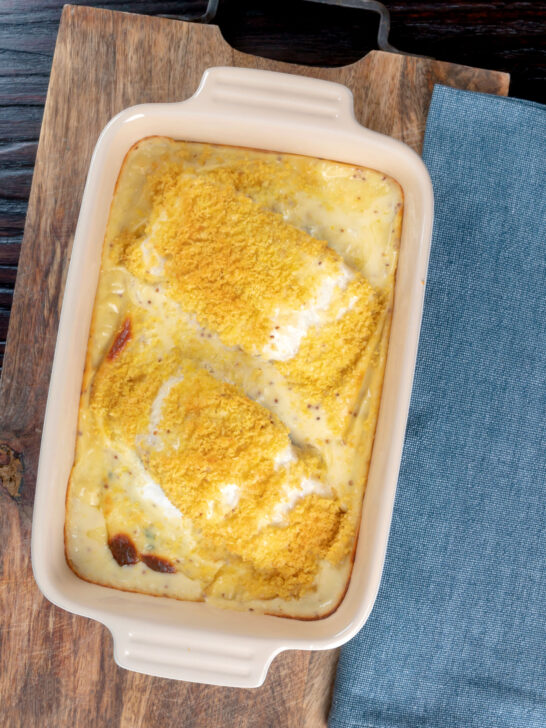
(229, 661)
(276, 96)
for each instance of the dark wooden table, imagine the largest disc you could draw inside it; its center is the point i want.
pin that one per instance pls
(507, 36)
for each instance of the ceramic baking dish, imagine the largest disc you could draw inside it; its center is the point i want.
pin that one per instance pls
(187, 640)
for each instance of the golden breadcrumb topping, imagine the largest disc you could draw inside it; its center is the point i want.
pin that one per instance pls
(196, 435)
(285, 559)
(255, 265)
(235, 360)
(327, 367)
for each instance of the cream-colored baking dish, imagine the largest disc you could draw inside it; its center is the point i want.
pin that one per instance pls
(188, 640)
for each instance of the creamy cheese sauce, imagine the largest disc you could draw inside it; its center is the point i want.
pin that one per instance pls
(265, 299)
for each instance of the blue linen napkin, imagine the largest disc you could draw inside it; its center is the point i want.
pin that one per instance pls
(457, 637)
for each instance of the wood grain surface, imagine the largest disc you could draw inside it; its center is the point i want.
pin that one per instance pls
(58, 669)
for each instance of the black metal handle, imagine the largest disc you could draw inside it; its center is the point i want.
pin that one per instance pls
(207, 17)
(376, 7)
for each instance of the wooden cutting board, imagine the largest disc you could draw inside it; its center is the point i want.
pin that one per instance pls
(57, 668)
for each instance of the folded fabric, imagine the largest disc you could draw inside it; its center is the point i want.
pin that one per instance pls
(457, 637)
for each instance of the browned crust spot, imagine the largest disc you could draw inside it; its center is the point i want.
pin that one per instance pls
(122, 338)
(125, 553)
(158, 563)
(123, 549)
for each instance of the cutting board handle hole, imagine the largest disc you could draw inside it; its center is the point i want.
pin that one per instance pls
(252, 26)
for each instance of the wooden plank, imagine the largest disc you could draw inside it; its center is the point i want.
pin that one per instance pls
(58, 668)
